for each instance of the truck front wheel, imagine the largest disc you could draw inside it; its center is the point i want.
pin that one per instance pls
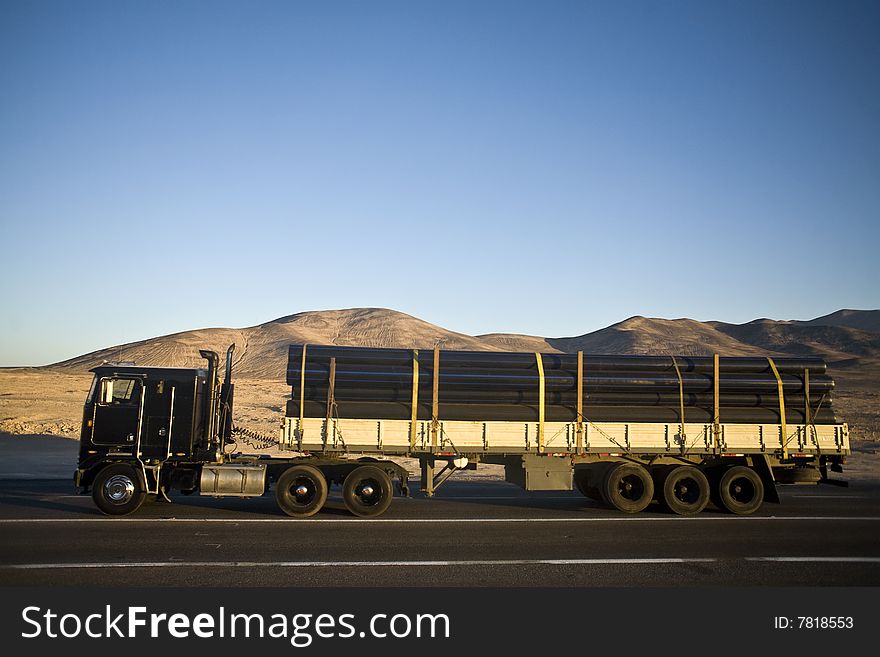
(367, 491)
(118, 490)
(301, 491)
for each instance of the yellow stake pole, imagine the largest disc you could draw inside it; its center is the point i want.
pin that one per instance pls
(716, 421)
(435, 402)
(302, 397)
(681, 406)
(540, 402)
(580, 403)
(415, 399)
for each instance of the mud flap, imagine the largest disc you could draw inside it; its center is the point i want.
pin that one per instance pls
(761, 465)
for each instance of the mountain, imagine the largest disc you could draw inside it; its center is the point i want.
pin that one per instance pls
(864, 320)
(636, 335)
(261, 351)
(834, 343)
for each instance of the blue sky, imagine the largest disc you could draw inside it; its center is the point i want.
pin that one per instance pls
(532, 167)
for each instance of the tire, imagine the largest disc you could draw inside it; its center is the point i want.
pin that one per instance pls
(686, 490)
(583, 478)
(740, 490)
(301, 491)
(367, 491)
(118, 490)
(628, 487)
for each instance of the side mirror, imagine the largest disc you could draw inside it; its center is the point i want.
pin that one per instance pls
(107, 391)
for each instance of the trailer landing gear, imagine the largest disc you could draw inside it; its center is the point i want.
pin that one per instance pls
(431, 481)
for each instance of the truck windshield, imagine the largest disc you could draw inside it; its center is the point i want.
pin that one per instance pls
(91, 396)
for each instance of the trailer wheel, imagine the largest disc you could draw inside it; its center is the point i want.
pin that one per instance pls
(367, 491)
(118, 489)
(301, 491)
(628, 487)
(686, 490)
(740, 490)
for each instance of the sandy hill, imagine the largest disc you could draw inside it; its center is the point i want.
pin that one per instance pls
(644, 335)
(261, 351)
(834, 343)
(865, 320)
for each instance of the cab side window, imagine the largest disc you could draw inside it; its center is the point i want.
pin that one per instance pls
(120, 392)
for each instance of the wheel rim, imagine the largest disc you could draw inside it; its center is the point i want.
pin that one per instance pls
(368, 492)
(686, 490)
(303, 491)
(119, 489)
(631, 488)
(741, 490)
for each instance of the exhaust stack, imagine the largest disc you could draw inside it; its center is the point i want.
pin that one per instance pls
(210, 417)
(226, 390)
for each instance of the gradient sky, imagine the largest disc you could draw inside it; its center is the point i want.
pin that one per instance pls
(532, 167)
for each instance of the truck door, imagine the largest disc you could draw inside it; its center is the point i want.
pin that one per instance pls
(118, 412)
(158, 423)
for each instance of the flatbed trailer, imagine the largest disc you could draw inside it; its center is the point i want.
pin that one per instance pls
(147, 431)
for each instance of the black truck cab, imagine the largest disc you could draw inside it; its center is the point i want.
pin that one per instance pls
(137, 420)
(149, 413)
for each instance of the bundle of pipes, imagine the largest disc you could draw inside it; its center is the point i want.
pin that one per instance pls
(366, 382)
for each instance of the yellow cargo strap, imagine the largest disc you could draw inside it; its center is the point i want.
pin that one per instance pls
(808, 412)
(781, 392)
(302, 396)
(435, 401)
(580, 403)
(415, 399)
(681, 406)
(331, 402)
(807, 415)
(540, 401)
(716, 420)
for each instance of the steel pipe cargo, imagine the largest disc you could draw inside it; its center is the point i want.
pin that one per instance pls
(378, 383)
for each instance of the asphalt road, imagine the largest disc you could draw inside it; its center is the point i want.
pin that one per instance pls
(471, 534)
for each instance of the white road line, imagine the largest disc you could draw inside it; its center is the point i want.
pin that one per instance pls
(423, 521)
(817, 559)
(510, 497)
(831, 497)
(424, 563)
(354, 564)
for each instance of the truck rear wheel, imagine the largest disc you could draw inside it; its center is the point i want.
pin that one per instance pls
(628, 487)
(118, 489)
(686, 490)
(301, 491)
(740, 490)
(367, 491)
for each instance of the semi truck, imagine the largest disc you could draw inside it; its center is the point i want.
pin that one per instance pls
(627, 431)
